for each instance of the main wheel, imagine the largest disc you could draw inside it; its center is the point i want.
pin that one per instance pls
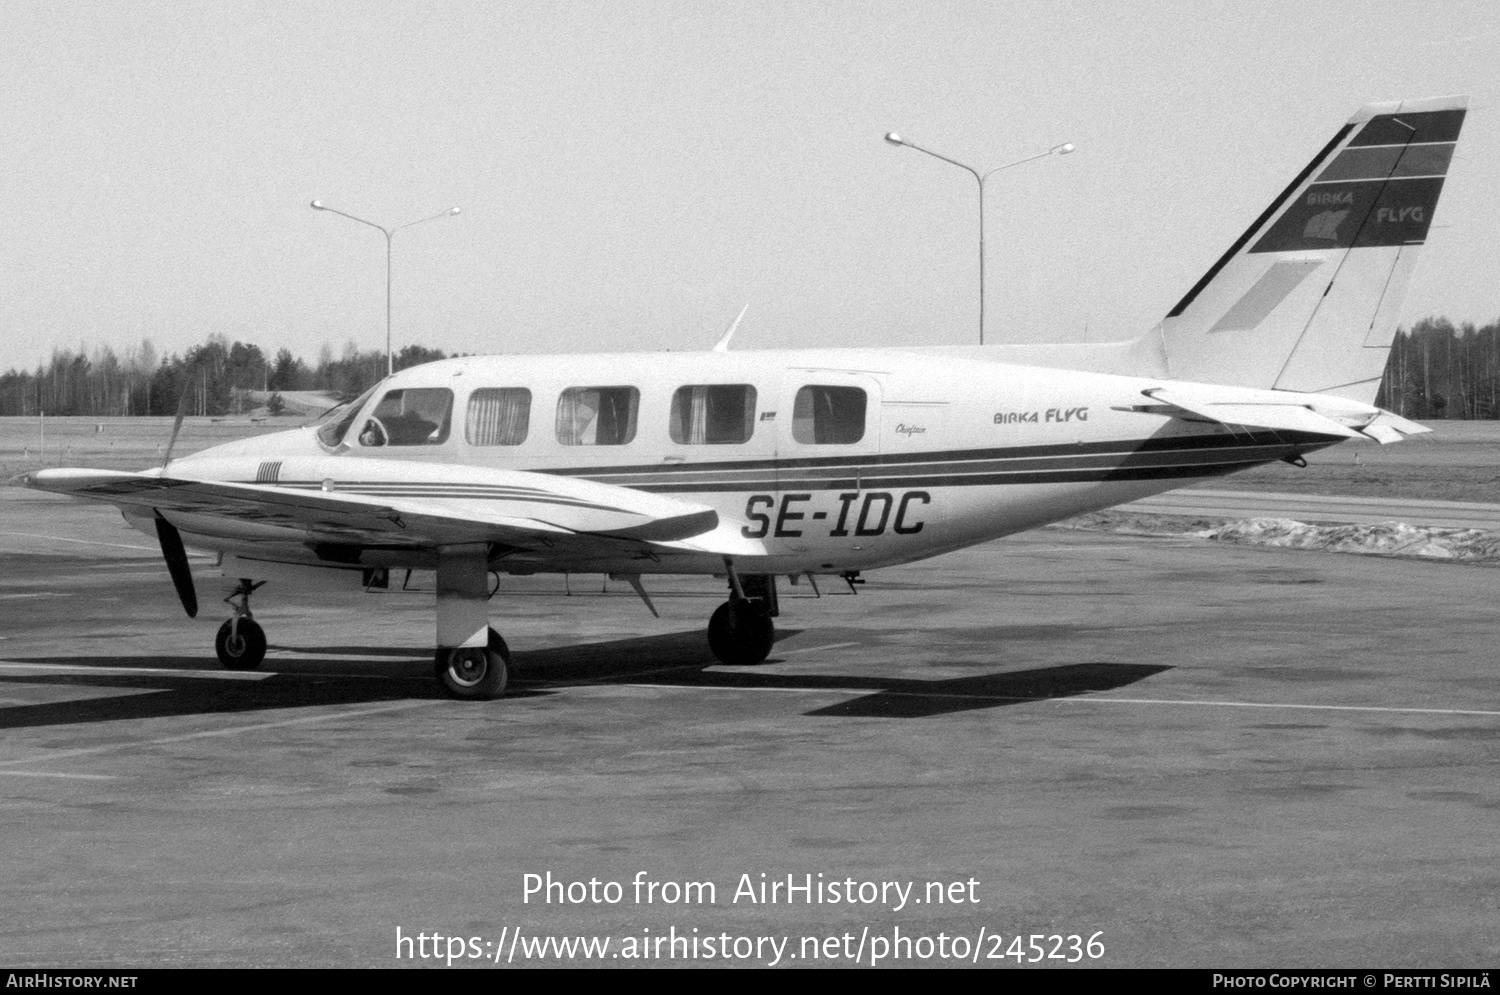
(740, 633)
(241, 644)
(474, 673)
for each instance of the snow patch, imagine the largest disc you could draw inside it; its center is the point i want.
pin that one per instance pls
(1387, 538)
(1383, 539)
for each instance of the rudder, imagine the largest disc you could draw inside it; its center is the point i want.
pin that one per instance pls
(1308, 297)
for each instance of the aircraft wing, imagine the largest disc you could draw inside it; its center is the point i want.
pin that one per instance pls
(1322, 414)
(391, 504)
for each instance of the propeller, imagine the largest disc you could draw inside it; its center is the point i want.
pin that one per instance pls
(166, 533)
(177, 564)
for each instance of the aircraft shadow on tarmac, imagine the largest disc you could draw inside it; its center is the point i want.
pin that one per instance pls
(683, 660)
(330, 675)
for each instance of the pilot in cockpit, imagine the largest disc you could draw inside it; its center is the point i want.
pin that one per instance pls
(402, 419)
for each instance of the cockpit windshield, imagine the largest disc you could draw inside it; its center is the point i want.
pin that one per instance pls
(334, 423)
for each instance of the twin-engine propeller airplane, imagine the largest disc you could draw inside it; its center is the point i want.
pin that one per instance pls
(754, 465)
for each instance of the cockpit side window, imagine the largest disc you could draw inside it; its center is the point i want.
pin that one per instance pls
(827, 415)
(416, 416)
(334, 424)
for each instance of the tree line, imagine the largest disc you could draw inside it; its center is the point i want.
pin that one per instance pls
(1438, 370)
(1435, 370)
(214, 377)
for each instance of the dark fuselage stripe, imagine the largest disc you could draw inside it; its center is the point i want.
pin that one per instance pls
(1091, 476)
(957, 468)
(1165, 467)
(868, 461)
(1139, 459)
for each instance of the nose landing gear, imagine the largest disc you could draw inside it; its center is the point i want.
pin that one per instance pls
(241, 642)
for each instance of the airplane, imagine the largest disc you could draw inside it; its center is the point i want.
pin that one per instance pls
(757, 465)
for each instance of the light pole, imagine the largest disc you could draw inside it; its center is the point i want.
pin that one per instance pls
(318, 205)
(979, 177)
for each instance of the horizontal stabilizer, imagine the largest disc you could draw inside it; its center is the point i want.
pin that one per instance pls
(1390, 421)
(1317, 414)
(1272, 415)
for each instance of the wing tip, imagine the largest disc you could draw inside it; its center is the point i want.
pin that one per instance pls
(673, 529)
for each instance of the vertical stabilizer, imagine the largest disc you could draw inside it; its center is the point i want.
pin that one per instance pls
(1308, 297)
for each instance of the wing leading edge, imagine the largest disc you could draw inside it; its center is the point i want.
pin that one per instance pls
(391, 504)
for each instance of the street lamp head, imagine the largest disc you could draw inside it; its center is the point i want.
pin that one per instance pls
(1064, 149)
(894, 138)
(317, 205)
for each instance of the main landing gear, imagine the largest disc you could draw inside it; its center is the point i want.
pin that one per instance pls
(741, 632)
(472, 661)
(241, 642)
(474, 673)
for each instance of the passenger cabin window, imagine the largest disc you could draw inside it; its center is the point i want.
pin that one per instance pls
(409, 417)
(597, 416)
(498, 416)
(829, 415)
(713, 414)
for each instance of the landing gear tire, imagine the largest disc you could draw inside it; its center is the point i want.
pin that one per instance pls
(475, 673)
(740, 633)
(240, 644)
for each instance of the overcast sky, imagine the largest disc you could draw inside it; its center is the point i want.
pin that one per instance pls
(631, 174)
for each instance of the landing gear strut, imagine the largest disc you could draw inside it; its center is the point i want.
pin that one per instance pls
(241, 642)
(741, 632)
(472, 661)
(475, 673)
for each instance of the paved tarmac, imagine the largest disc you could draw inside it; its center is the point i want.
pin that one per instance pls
(1193, 754)
(1319, 508)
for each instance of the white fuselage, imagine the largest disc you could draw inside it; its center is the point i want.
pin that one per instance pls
(946, 451)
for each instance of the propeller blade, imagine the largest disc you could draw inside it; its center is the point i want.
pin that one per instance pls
(182, 406)
(177, 564)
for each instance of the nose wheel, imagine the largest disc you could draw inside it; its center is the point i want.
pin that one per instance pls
(241, 642)
(474, 673)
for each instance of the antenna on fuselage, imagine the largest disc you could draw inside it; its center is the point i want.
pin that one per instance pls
(723, 344)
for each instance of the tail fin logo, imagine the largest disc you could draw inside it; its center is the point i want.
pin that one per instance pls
(1325, 225)
(1342, 237)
